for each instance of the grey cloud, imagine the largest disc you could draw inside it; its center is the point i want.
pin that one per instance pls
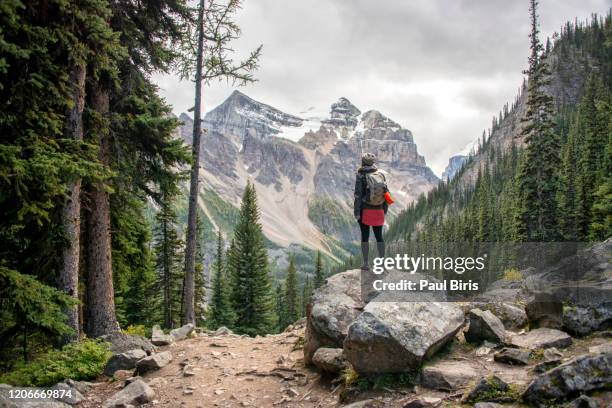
(441, 68)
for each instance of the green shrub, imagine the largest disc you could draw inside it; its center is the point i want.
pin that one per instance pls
(80, 361)
(138, 330)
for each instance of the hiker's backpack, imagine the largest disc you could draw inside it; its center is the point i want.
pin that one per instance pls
(376, 186)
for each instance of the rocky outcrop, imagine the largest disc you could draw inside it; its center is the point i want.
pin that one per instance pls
(454, 165)
(391, 337)
(582, 374)
(545, 310)
(484, 325)
(334, 306)
(343, 114)
(136, 393)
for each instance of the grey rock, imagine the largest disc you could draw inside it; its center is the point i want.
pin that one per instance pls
(512, 315)
(135, 394)
(343, 113)
(423, 402)
(391, 337)
(182, 332)
(369, 403)
(123, 361)
(450, 375)
(582, 320)
(552, 354)
(330, 360)
(487, 388)
(601, 348)
(484, 325)
(487, 405)
(159, 338)
(121, 342)
(582, 374)
(223, 331)
(73, 391)
(513, 356)
(334, 306)
(583, 402)
(154, 362)
(542, 338)
(545, 310)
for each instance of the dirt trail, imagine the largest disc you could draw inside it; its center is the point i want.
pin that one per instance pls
(233, 371)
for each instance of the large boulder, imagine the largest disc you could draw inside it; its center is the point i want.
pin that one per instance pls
(154, 362)
(484, 325)
(584, 319)
(545, 310)
(182, 332)
(582, 374)
(333, 307)
(121, 342)
(123, 361)
(399, 336)
(329, 360)
(542, 338)
(136, 393)
(159, 338)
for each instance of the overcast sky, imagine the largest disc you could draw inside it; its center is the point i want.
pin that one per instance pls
(441, 68)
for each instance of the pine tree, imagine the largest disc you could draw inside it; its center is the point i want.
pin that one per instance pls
(538, 177)
(215, 25)
(248, 265)
(168, 251)
(220, 311)
(319, 277)
(306, 295)
(200, 276)
(568, 192)
(291, 310)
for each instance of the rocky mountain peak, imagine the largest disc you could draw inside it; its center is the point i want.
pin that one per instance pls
(373, 119)
(343, 113)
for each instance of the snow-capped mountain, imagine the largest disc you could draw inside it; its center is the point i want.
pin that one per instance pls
(303, 166)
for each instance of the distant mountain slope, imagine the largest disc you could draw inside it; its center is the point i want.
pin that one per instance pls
(580, 52)
(303, 168)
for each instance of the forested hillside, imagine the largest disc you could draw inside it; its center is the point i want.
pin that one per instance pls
(494, 197)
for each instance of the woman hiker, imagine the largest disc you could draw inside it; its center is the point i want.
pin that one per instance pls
(370, 207)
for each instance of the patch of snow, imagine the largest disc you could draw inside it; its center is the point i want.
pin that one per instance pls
(295, 133)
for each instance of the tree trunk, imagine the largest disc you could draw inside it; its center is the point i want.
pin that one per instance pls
(68, 280)
(190, 247)
(100, 294)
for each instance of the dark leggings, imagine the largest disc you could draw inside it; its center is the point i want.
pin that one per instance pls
(365, 232)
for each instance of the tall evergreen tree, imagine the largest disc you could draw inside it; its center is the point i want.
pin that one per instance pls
(319, 277)
(291, 310)
(220, 311)
(216, 30)
(248, 265)
(168, 252)
(306, 295)
(538, 177)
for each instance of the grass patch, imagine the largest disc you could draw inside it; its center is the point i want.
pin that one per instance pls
(512, 275)
(79, 361)
(138, 330)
